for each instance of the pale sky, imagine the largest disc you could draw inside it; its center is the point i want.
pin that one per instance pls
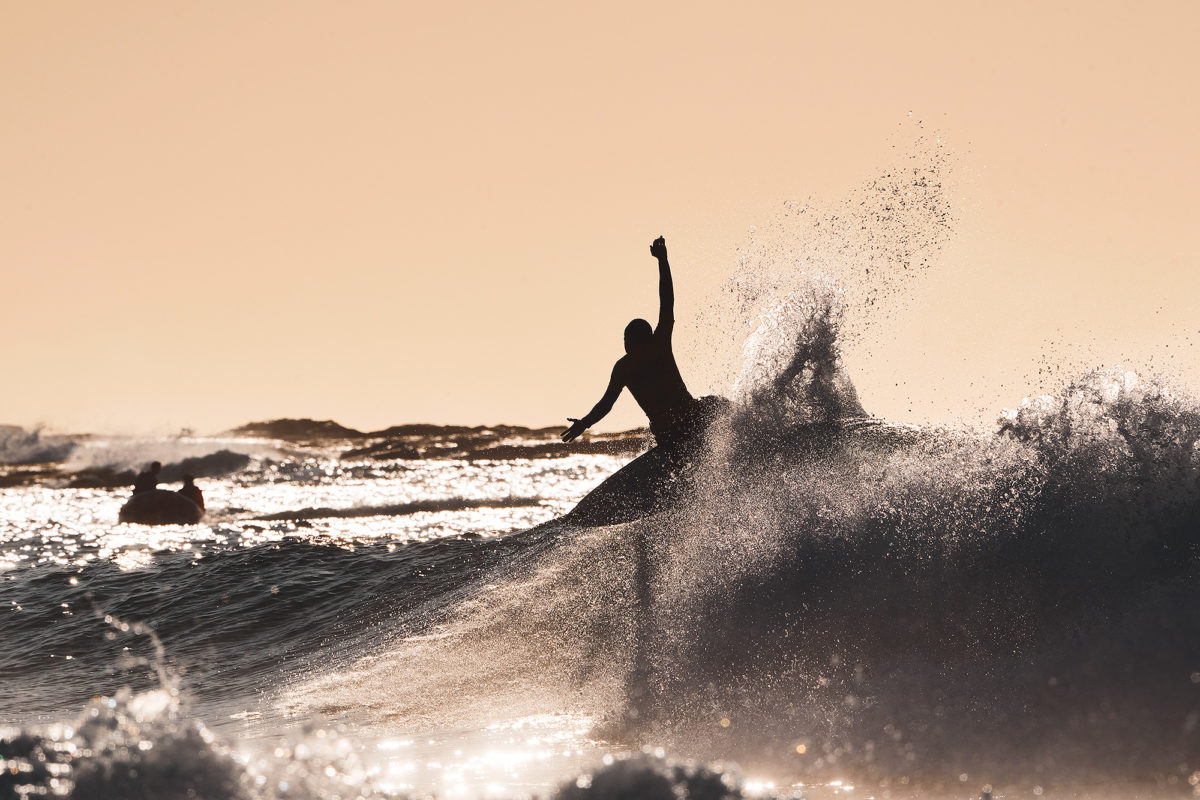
(385, 212)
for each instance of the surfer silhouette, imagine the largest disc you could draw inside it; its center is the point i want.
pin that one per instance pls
(677, 419)
(191, 491)
(147, 479)
(649, 371)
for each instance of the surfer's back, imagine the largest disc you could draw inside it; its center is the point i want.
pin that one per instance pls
(652, 377)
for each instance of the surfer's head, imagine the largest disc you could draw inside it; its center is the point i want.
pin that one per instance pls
(637, 334)
(155, 466)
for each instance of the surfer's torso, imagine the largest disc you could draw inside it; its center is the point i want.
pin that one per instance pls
(653, 378)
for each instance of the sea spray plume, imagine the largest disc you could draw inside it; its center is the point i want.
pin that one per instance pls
(875, 242)
(792, 373)
(873, 245)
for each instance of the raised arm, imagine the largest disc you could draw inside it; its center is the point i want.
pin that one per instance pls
(598, 412)
(666, 289)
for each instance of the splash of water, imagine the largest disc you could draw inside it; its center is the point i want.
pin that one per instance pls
(847, 265)
(896, 603)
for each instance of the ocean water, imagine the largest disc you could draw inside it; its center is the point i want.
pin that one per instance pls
(303, 560)
(829, 605)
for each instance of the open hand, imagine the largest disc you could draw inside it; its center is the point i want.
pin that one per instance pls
(573, 432)
(659, 248)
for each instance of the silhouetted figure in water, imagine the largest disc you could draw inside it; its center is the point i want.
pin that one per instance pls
(677, 419)
(649, 371)
(191, 491)
(147, 479)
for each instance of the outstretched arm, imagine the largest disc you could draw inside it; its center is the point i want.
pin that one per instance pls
(666, 289)
(615, 385)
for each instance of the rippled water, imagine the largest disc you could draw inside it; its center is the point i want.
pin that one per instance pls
(62, 526)
(65, 563)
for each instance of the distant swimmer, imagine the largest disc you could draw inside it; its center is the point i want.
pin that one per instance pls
(649, 371)
(191, 491)
(147, 479)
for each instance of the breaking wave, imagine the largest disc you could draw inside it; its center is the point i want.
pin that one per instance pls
(840, 596)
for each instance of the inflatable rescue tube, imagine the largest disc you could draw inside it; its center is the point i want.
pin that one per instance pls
(160, 507)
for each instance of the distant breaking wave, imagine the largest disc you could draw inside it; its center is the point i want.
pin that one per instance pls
(21, 447)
